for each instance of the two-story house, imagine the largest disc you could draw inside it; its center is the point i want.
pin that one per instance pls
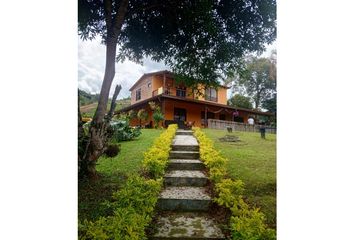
(180, 104)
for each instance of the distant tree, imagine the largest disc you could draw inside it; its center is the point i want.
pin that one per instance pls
(240, 101)
(202, 42)
(257, 80)
(270, 104)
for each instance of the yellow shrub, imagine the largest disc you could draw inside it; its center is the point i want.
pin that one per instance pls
(246, 223)
(156, 158)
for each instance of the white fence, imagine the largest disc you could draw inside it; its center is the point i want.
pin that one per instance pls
(236, 126)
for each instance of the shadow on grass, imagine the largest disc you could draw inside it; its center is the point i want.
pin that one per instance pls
(92, 194)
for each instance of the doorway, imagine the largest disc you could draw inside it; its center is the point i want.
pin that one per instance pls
(180, 116)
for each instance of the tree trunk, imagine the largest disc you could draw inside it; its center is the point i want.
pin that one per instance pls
(100, 132)
(99, 135)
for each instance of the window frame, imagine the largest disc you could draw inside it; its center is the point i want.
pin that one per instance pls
(136, 94)
(208, 95)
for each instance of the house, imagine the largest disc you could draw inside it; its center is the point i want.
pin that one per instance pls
(180, 104)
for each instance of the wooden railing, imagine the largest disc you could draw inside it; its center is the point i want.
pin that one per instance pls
(236, 126)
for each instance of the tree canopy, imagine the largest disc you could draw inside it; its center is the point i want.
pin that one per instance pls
(241, 101)
(202, 41)
(257, 80)
(270, 104)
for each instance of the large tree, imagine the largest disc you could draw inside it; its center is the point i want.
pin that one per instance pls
(270, 104)
(257, 80)
(241, 101)
(202, 41)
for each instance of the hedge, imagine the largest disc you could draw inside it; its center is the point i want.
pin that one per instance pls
(246, 223)
(133, 205)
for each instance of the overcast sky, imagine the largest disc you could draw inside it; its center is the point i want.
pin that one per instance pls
(91, 62)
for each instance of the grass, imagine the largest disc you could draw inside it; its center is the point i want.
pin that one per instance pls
(253, 160)
(113, 172)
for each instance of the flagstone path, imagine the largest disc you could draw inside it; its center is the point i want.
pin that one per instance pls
(184, 201)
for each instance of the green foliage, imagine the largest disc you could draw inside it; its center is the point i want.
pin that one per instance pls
(270, 104)
(157, 114)
(138, 193)
(246, 223)
(211, 157)
(123, 131)
(257, 80)
(254, 162)
(229, 192)
(132, 206)
(240, 101)
(87, 98)
(134, 203)
(156, 158)
(200, 40)
(158, 117)
(132, 114)
(142, 115)
(113, 174)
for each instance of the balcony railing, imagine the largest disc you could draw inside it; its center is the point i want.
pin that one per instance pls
(179, 93)
(209, 98)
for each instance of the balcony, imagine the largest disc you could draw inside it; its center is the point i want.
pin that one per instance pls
(209, 98)
(181, 93)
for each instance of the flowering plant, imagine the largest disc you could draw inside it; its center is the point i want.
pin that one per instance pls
(235, 113)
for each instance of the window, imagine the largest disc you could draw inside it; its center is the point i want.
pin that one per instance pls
(222, 117)
(180, 92)
(211, 94)
(138, 94)
(209, 115)
(149, 84)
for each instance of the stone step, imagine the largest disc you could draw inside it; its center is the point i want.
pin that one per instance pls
(184, 199)
(185, 148)
(184, 132)
(184, 154)
(185, 164)
(185, 143)
(187, 226)
(186, 178)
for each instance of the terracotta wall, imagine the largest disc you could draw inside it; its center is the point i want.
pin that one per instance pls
(221, 93)
(193, 110)
(157, 82)
(146, 92)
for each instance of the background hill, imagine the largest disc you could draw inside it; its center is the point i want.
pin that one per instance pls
(88, 103)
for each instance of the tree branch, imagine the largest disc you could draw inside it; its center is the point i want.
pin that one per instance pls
(108, 13)
(113, 104)
(119, 17)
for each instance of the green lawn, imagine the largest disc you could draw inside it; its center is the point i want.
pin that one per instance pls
(253, 160)
(113, 172)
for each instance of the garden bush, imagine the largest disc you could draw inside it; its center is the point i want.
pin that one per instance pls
(134, 203)
(132, 206)
(156, 158)
(246, 223)
(122, 131)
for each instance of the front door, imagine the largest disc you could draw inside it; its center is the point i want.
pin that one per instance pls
(180, 116)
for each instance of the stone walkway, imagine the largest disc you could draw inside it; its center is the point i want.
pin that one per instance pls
(184, 202)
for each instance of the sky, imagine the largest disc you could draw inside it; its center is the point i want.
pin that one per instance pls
(91, 62)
